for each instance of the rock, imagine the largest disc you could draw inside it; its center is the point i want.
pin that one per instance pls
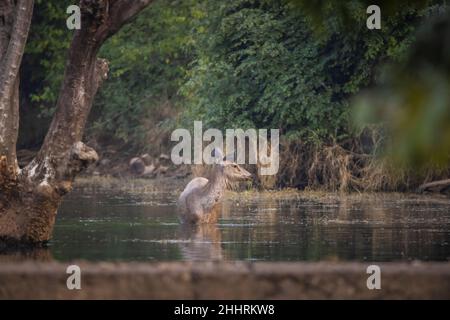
(162, 169)
(147, 159)
(137, 166)
(149, 170)
(142, 166)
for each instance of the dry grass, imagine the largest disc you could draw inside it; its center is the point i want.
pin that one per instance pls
(345, 168)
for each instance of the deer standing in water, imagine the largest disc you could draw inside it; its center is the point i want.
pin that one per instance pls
(200, 200)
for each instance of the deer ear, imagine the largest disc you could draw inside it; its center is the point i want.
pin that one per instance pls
(218, 155)
(230, 156)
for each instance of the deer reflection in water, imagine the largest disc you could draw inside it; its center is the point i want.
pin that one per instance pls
(203, 242)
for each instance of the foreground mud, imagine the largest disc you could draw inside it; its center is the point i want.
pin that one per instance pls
(262, 280)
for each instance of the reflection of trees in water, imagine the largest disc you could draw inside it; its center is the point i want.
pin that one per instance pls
(387, 229)
(252, 229)
(19, 254)
(372, 228)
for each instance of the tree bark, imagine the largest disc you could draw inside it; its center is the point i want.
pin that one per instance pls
(14, 25)
(29, 197)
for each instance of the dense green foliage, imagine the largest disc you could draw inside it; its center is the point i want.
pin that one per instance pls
(42, 70)
(45, 54)
(289, 64)
(260, 64)
(242, 63)
(148, 61)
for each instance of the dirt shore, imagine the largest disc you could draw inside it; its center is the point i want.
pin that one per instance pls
(237, 280)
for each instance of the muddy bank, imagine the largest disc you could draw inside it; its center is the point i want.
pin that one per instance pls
(236, 280)
(176, 185)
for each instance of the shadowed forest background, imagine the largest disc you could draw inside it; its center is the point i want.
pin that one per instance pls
(357, 109)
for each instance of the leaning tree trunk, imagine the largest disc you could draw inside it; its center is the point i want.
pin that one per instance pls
(29, 197)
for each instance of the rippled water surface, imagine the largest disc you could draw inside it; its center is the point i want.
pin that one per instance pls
(111, 225)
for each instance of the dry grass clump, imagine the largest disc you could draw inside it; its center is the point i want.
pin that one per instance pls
(346, 167)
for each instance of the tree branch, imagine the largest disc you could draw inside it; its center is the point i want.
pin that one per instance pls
(11, 57)
(120, 12)
(10, 62)
(83, 75)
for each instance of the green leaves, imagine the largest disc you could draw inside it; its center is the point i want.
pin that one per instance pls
(45, 53)
(236, 63)
(260, 64)
(148, 60)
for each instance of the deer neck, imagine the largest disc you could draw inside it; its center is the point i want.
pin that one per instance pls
(215, 187)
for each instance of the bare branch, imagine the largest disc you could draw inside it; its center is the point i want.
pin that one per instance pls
(120, 12)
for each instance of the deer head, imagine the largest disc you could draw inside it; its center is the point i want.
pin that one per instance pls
(232, 171)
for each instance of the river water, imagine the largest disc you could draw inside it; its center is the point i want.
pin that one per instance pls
(108, 225)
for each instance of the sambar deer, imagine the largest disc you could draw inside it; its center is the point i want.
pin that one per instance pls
(200, 200)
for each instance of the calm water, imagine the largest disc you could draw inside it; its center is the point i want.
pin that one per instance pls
(108, 225)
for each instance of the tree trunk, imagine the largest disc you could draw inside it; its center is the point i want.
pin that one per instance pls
(29, 197)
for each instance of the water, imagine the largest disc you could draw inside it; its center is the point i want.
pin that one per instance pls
(115, 226)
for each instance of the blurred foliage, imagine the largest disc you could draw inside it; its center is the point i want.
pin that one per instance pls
(345, 14)
(413, 99)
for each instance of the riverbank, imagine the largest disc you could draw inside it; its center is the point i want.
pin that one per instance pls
(175, 185)
(145, 170)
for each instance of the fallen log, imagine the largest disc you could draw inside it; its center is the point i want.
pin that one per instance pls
(440, 186)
